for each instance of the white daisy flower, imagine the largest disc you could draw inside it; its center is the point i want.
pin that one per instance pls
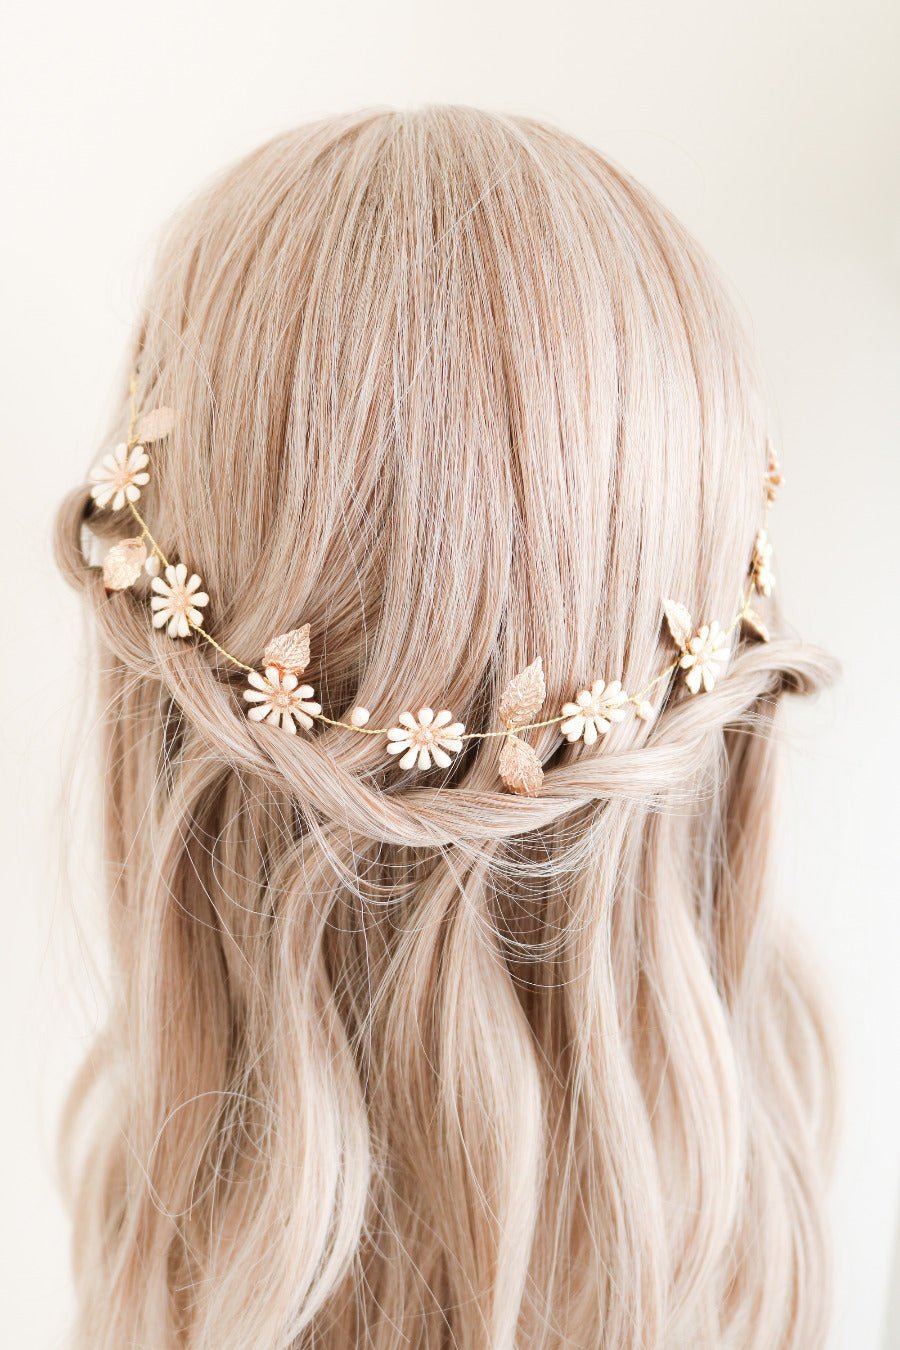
(177, 601)
(705, 657)
(594, 711)
(119, 476)
(279, 698)
(427, 736)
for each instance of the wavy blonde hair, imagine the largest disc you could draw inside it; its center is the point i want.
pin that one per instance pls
(394, 1059)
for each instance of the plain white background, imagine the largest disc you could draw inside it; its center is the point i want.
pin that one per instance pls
(772, 129)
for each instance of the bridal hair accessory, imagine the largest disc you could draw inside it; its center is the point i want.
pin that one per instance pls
(425, 737)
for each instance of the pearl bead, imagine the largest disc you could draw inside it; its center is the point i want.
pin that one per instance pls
(359, 717)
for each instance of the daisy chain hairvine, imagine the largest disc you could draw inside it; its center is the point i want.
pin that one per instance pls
(423, 738)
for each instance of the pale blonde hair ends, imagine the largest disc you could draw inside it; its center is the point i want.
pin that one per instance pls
(397, 1061)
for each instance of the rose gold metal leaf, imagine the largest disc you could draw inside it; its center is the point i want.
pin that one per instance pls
(520, 767)
(123, 564)
(289, 651)
(773, 476)
(152, 426)
(681, 625)
(524, 696)
(750, 619)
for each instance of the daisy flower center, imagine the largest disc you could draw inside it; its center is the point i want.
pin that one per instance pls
(122, 476)
(180, 599)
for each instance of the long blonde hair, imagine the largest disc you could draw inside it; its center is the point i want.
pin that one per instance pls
(394, 1059)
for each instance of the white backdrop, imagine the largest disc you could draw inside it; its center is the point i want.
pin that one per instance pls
(772, 129)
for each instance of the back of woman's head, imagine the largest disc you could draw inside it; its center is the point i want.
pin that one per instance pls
(396, 1058)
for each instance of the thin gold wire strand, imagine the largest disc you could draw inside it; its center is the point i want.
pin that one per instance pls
(635, 699)
(201, 632)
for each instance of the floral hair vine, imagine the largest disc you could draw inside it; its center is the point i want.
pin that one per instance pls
(418, 740)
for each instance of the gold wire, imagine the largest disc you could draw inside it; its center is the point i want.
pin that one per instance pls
(636, 699)
(201, 632)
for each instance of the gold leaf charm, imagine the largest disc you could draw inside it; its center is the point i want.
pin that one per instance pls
(750, 619)
(773, 476)
(681, 625)
(152, 426)
(524, 696)
(520, 767)
(123, 564)
(289, 651)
